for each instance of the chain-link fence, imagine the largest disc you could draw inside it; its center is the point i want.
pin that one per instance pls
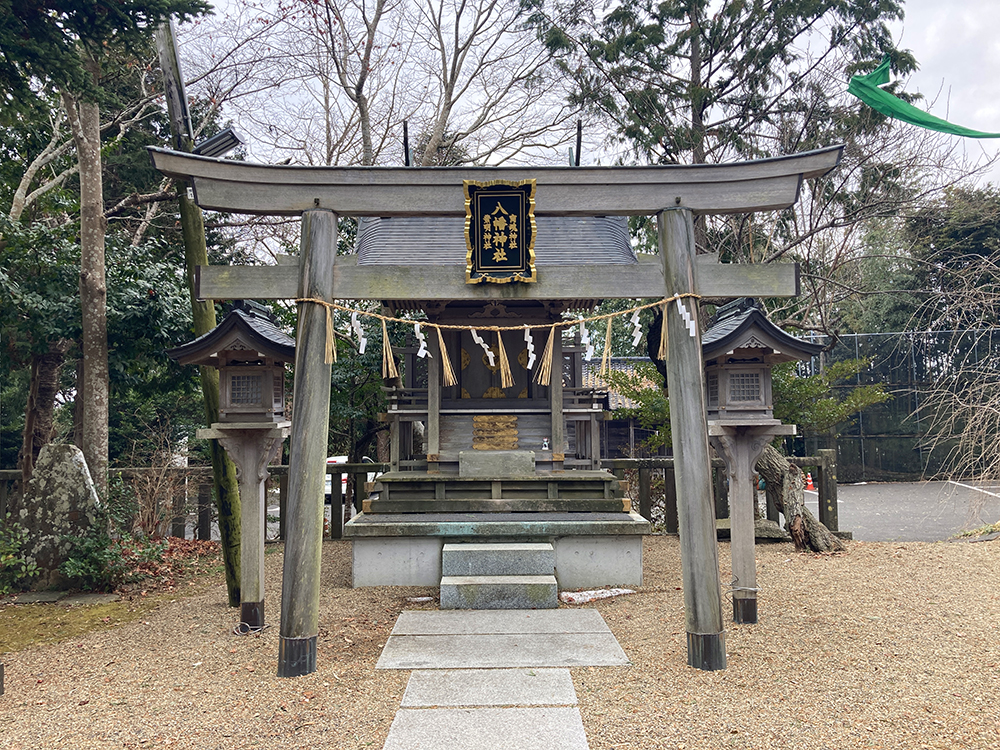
(888, 441)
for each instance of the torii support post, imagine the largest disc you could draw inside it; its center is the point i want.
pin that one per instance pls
(706, 639)
(307, 454)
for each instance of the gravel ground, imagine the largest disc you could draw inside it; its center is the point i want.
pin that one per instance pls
(892, 645)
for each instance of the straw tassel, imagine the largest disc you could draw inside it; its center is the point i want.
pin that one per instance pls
(544, 373)
(506, 377)
(330, 355)
(664, 353)
(388, 363)
(607, 350)
(447, 372)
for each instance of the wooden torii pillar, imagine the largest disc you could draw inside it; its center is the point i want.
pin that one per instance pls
(673, 193)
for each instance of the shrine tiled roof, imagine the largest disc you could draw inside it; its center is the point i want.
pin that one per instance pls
(628, 365)
(437, 241)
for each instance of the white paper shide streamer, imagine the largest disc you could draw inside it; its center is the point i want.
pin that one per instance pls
(636, 329)
(486, 347)
(692, 326)
(530, 343)
(422, 351)
(359, 333)
(585, 341)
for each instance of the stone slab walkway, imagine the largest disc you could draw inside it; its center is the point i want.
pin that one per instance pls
(489, 687)
(484, 680)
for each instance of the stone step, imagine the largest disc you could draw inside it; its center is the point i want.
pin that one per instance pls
(498, 559)
(499, 592)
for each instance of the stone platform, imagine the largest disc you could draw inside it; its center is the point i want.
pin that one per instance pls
(496, 491)
(592, 549)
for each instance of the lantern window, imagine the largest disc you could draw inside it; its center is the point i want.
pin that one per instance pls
(744, 386)
(245, 390)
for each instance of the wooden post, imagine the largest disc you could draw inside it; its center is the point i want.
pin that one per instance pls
(722, 503)
(282, 504)
(337, 498)
(706, 642)
(670, 524)
(645, 509)
(251, 446)
(4, 483)
(772, 509)
(178, 524)
(556, 401)
(828, 511)
(432, 435)
(205, 511)
(307, 454)
(740, 447)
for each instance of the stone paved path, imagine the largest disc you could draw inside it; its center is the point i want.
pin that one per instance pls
(496, 679)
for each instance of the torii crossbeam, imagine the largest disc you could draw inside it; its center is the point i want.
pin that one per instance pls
(673, 193)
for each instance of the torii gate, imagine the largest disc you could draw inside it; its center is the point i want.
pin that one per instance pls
(672, 193)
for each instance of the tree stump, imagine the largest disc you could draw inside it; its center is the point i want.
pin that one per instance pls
(786, 489)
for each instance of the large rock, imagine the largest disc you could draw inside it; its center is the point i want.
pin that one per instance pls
(60, 503)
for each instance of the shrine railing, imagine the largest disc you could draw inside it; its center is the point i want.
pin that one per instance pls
(193, 510)
(650, 471)
(406, 399)
(584, 399)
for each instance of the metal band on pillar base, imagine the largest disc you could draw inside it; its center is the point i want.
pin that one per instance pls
(707, 651)
(252, 614)
(296, 656)
(745, 610)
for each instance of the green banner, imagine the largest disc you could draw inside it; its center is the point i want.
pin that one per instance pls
(866, 88)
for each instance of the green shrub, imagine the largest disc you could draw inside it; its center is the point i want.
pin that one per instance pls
(108, 554)
(16, 570)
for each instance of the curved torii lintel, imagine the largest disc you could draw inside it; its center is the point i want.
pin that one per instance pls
(739, 187)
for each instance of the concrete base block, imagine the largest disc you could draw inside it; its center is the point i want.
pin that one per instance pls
(499, 592)
(397, 561)
(584, 562)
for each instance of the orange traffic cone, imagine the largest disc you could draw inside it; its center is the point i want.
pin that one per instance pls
(809, 482)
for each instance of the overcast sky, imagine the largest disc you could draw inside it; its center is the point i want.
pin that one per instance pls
(957, 44)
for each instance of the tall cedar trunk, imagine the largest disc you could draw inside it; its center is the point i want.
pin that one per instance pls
(786, 488)
(92, 389)
(697, 96)
(46, 369)
(227, 492)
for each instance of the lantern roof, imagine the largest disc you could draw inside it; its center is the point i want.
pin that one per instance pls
(249, 326)
(742, 324)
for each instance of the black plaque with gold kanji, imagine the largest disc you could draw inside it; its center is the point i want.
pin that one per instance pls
(499, 231)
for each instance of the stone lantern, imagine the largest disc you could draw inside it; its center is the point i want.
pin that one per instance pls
(250, 353)
(739, 348)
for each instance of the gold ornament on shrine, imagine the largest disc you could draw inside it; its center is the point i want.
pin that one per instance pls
(499, 231)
